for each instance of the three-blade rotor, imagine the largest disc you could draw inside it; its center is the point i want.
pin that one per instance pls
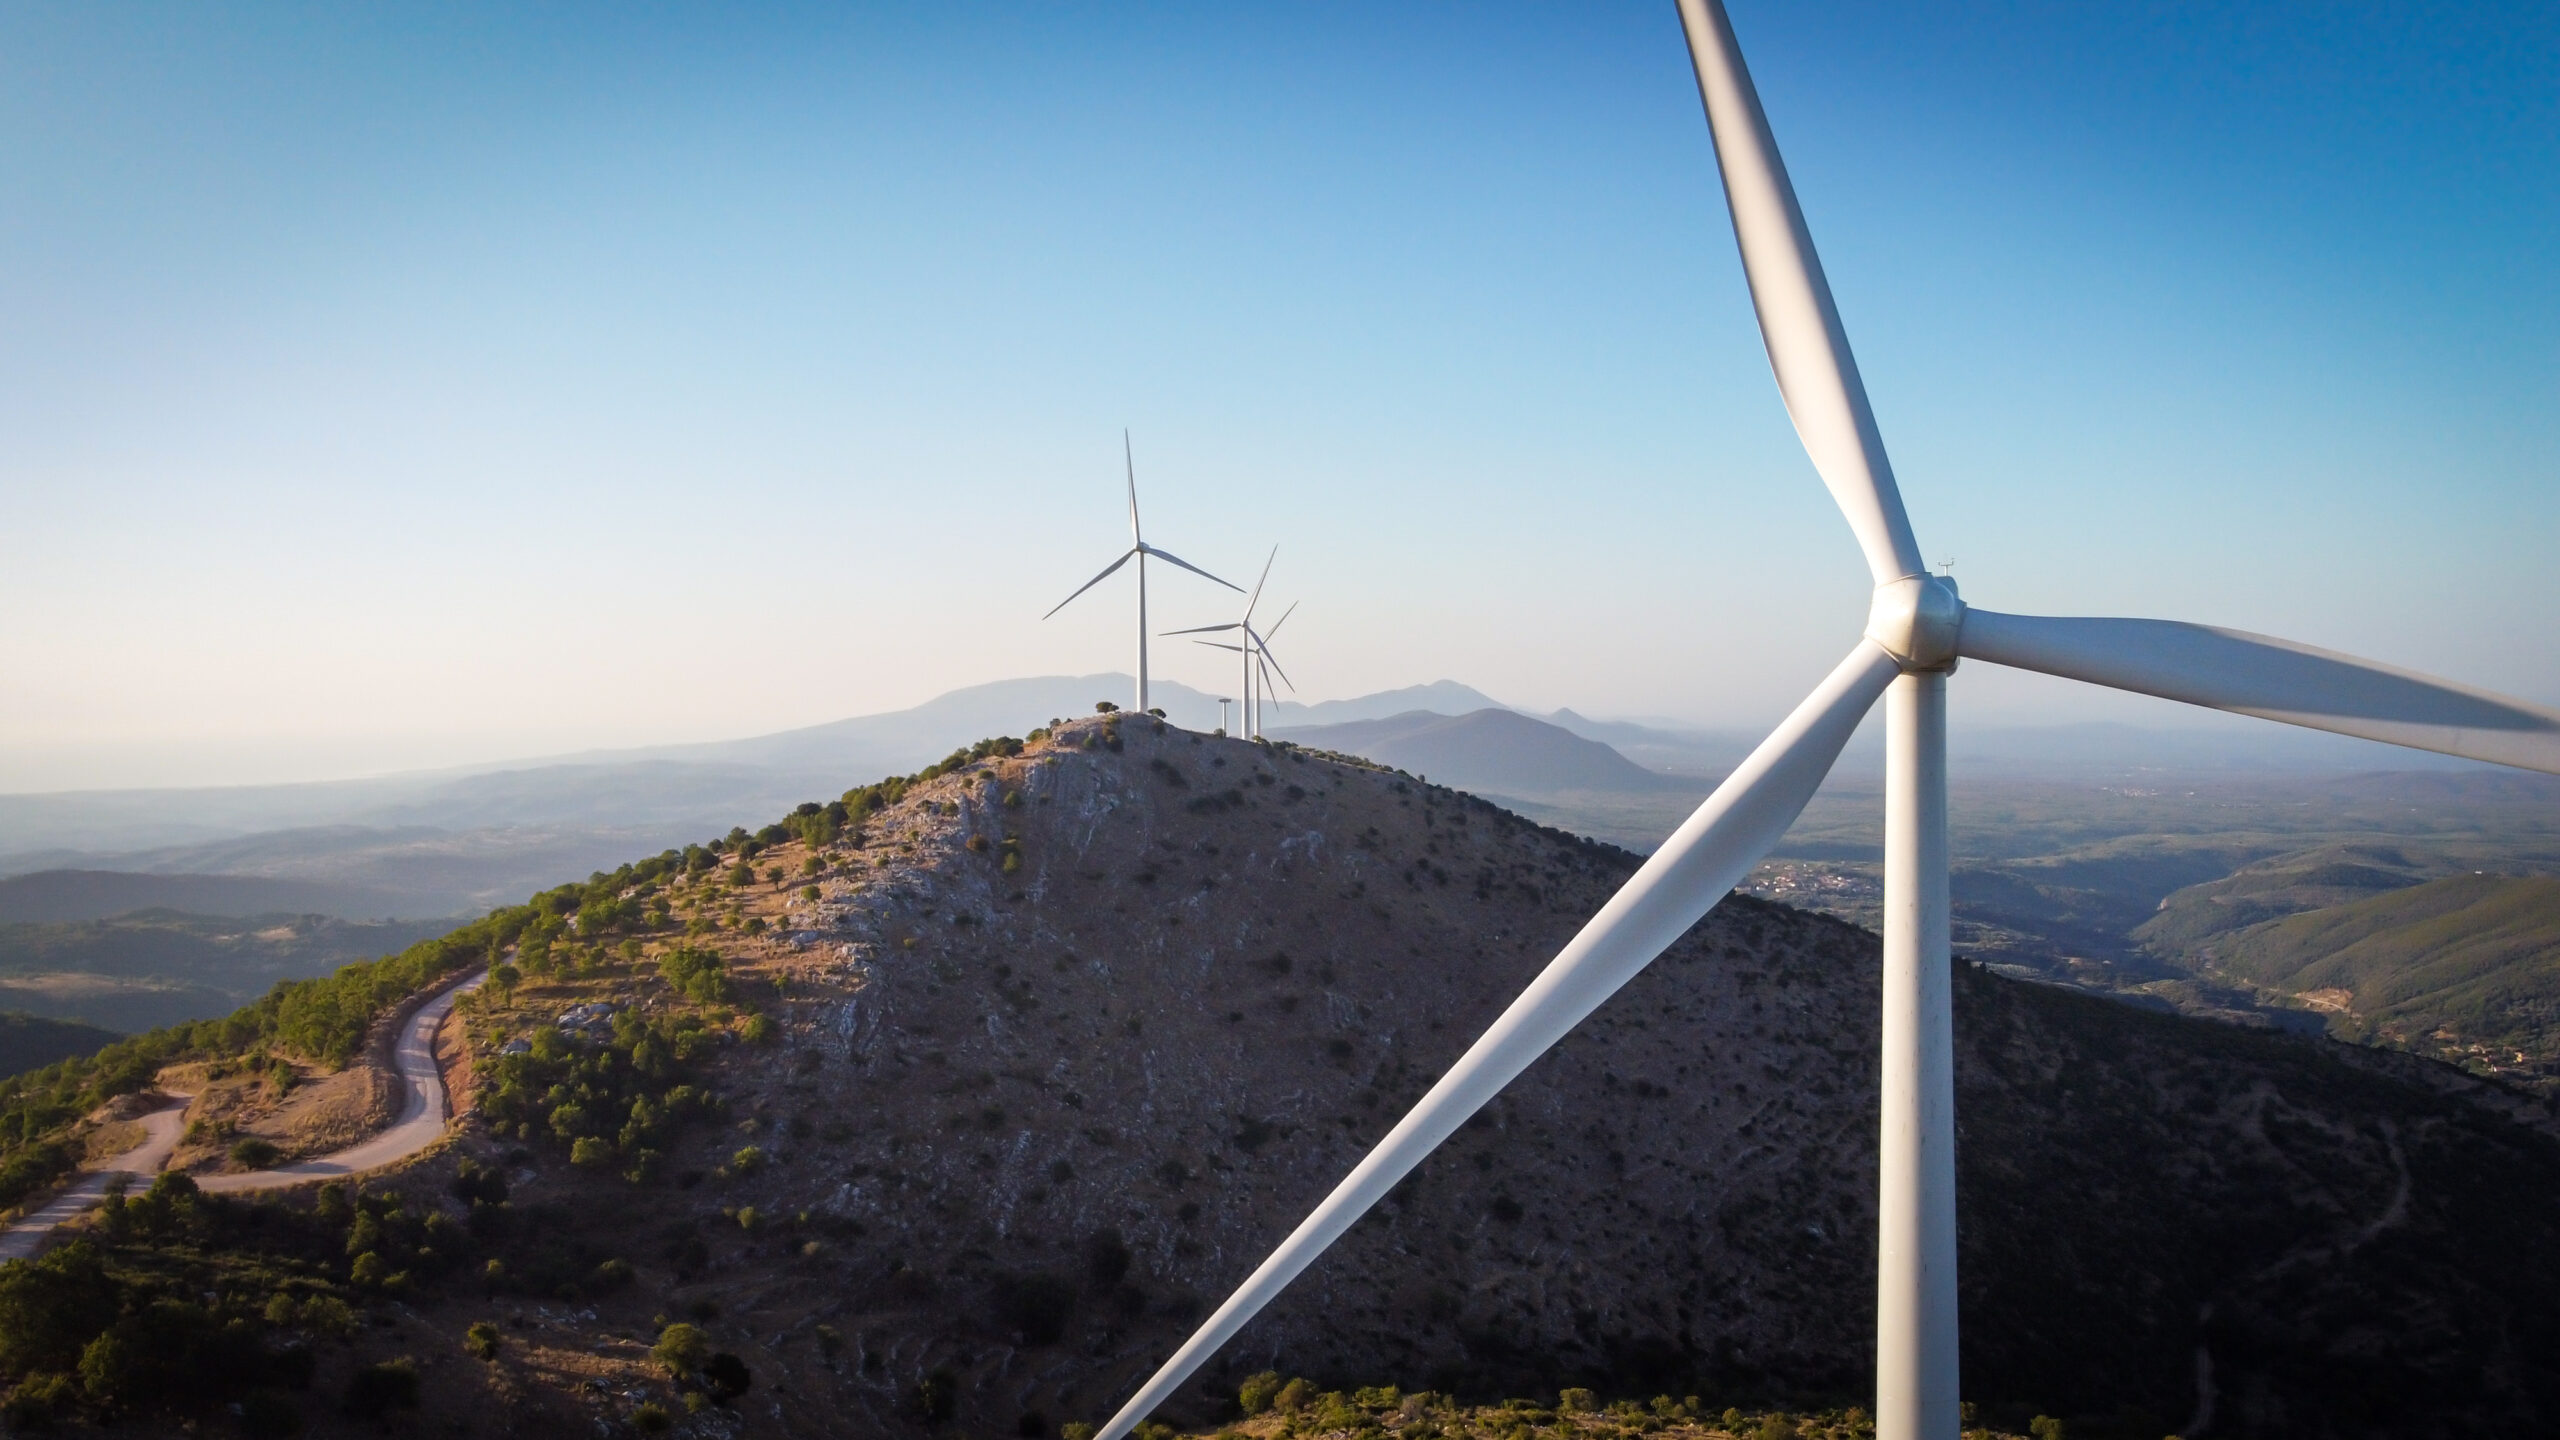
(1137, 541)
(1916, 624)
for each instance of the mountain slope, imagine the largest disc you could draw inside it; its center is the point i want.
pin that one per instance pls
(1072, 1038)
(2190, 921)
(1500, 752)
(2467, 966)
(28, 1041)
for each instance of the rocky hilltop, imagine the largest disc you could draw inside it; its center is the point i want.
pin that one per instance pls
(956, 1104)
(1069, 1038)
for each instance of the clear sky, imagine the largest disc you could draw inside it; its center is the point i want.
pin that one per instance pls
(384, 387)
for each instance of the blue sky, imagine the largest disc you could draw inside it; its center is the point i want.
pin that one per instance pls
(398, 387)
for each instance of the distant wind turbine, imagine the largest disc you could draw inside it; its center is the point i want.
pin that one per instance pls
(1139, 550)
(1256, 654)
(1917, 629)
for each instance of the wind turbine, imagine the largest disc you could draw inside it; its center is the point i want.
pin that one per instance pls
(1256, 654)
(1139, 550)
(1917, 629)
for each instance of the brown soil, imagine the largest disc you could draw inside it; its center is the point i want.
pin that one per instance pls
(110, 1140)
(454, 1059)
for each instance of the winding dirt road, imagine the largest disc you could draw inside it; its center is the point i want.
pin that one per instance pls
(424, 1111)
(161, 1129)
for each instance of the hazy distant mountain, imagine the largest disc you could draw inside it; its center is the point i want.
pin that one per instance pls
(675, 791)
(1440, 697)
(50, 897)
(453, 841)
(1493, 751)
(360, 873)
(1665, 747)
(444, 842)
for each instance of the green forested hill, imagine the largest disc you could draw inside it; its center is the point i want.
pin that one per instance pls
(2191, 920)
(2468, 965)
(30, 1041)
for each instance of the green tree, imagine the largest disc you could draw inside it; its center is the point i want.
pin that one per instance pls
(51, 1306)
(682, 1350)
(1257, 1392)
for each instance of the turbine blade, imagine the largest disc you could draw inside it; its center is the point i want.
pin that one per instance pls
(1693, 870)
(1263, 659)
(1217, 645)
(1284, 617)
(1808, 349)
(1262, 649)
(1170, 557)
(1089, 584)
(1130, 457)
(1256, 597)
(2272, 679)
(1203, 629)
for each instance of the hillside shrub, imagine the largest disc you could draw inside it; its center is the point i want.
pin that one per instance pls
(624, 1097)
(255, 1154)
(697, 975)
(681, 1351)
(1258, 1391)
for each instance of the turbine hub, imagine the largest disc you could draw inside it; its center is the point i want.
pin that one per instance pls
(1916, 619)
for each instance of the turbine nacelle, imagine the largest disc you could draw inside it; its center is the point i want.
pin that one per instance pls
(1917, 620)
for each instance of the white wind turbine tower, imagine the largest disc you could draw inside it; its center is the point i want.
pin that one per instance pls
(1139, 550)
(1917, 629)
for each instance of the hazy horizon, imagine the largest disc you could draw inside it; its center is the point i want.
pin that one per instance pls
(395, 389)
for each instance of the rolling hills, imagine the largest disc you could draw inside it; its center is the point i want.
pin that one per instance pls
(2467, 967)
